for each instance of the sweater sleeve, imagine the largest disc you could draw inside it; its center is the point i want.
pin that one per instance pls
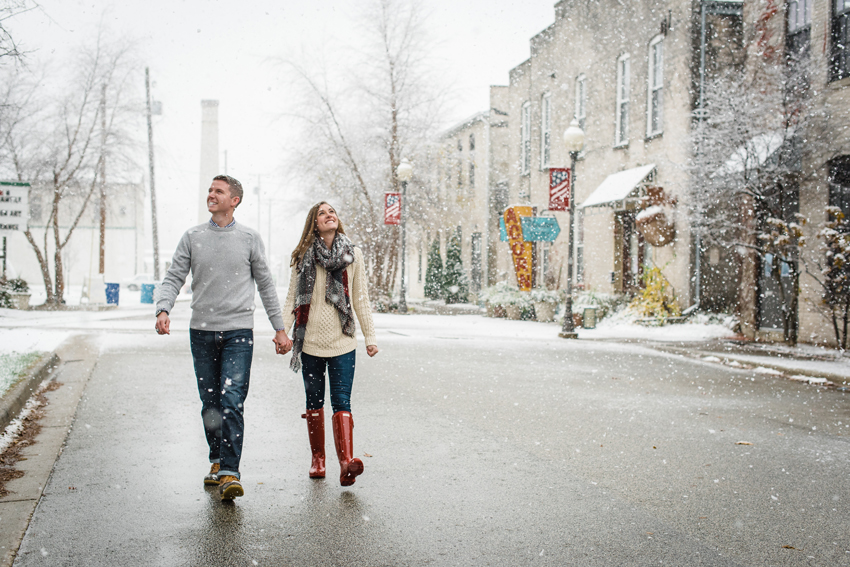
(181, 262)
(289, 303)
(360, 299)
(265, 283)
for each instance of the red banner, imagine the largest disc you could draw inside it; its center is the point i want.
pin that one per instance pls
(392, 208)
(559, 189)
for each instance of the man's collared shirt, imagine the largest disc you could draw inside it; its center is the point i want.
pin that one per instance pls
(214, 225)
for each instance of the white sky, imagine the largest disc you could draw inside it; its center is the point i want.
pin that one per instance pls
(207, 49)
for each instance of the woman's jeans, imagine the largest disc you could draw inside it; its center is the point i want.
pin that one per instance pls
(340, 375)
(223, 368)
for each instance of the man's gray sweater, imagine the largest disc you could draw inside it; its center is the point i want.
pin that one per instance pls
(225, 263)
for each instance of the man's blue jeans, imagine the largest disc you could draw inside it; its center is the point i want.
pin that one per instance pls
(223, 369)
(340, 376)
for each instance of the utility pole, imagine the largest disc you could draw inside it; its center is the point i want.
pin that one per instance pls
(102, 263)
(153, 185)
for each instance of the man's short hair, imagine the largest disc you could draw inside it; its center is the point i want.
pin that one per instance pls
(233, 184)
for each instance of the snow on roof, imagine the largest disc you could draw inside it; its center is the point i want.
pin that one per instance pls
(617, 186)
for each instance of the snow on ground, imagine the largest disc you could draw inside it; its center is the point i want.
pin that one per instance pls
(29, 340)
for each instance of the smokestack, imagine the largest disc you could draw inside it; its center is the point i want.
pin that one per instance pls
(209, 154)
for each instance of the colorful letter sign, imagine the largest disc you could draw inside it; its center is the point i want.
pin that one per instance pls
(559, 189)
(520, 250)
(392, 208)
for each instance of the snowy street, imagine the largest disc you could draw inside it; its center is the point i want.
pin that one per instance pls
(485, 442)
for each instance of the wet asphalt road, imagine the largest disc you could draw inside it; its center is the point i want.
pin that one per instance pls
(500, 451)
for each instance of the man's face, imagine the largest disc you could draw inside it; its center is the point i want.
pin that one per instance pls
(219, 199)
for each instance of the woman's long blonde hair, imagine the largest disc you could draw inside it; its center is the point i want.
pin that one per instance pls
(310, 232)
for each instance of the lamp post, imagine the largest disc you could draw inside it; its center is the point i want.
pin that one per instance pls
(404, 171)
(574, 142)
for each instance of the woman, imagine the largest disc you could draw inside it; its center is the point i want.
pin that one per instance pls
(327, 280)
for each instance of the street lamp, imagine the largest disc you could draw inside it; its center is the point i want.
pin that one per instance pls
(573, 142)
(404, 171)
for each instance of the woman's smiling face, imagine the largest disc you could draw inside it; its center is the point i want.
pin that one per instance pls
(326, 219)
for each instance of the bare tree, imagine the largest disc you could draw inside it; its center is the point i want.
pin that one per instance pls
(358, 129)
(9, 48)
(56, 136)
(758, 142)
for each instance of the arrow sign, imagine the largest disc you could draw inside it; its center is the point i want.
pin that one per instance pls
(540, 229)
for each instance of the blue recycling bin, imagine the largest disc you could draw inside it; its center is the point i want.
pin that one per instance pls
(112, 291)
(147, 292)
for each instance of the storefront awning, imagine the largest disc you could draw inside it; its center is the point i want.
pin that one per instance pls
(754, 153)
(617, 186)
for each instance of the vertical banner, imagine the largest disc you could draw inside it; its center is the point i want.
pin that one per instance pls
(559, 189)
(520, 250)
(392, 208)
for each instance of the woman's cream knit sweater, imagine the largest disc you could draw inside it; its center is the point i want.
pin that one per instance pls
(324, 331)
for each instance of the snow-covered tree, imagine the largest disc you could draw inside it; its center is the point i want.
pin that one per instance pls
(360, 119)
(831, 269)
(753, 147)
(434, 272)
(57, 129)
(455, 286)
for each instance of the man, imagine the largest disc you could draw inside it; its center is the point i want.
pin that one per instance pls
(226, 260)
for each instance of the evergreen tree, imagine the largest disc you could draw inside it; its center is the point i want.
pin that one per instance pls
(455, 289)
(434, 272)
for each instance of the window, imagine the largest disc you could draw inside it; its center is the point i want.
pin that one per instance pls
(839, 186)
(459, 164)
(545, 130)
(621, 137)
(581, 101)
(525, 133)
(655, 88)
(471, 165)
(839, 61)
(798, 38)
(580, 247)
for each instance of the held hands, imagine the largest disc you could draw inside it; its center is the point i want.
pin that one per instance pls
(163, 324)
(282, 344)
(371, 350)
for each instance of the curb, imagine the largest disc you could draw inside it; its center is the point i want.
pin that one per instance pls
(15, 399)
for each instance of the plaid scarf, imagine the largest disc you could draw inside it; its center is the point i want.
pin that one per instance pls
(334, 261)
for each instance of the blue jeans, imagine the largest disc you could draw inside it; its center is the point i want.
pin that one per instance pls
(223, 369)
(340, 375)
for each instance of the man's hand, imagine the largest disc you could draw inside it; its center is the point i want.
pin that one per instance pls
(371, 350)
(282, 344)
(163, 324)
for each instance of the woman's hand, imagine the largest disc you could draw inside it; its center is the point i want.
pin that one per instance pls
(371, 350)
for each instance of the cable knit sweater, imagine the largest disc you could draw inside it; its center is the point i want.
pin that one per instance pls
(324, 335)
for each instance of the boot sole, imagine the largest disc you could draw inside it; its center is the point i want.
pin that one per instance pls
(211, 482)
(352, 471)
(232, 491)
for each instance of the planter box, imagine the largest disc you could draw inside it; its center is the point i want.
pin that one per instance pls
(544, 311)
(20, 300)
(514, 312)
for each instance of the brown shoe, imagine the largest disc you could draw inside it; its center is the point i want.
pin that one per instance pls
(316, 433)
(229, 487)
(212, 478)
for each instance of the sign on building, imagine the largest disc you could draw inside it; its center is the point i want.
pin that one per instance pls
(520, 249)
(392, 208)
(14, 207)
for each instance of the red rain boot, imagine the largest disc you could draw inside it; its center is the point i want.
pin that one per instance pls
(316, 433)
(349, 467)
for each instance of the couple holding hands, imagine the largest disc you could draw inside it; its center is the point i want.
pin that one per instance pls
(327, 287)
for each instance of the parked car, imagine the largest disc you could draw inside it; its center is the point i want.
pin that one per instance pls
(135, 283)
